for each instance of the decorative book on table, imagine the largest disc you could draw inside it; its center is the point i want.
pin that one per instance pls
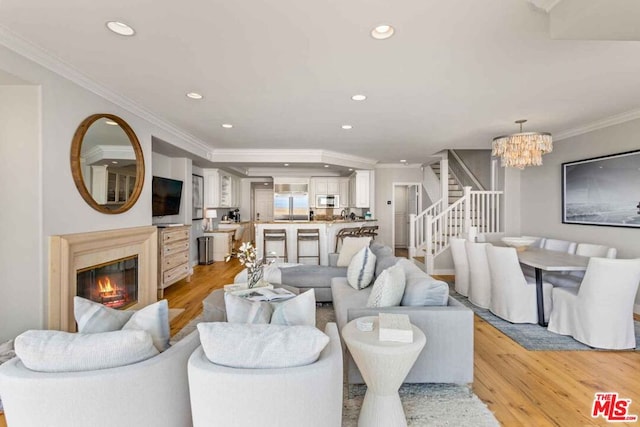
(264, 294)
(394, 327)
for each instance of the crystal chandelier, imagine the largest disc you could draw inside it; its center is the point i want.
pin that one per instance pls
(522, 149)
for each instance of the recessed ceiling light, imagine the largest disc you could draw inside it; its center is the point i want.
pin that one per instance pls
(359, 97)
(350, 169)
(326, 166)
(266, 183)
(110, 123)
(382, 32)
(347, 127)
(114, 162)
(286, 164)
(120, 28)
(227, 125)
(194, 95)
(402, 161)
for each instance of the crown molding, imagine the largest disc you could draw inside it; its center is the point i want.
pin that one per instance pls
(36, 54)
(249, 156)
(599, 124)
(398, 165)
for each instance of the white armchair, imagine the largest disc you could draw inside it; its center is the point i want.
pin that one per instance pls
(153, 392)
(309, 396)
(600, 312)
(513, 296)
(461, 265)
(479, 275)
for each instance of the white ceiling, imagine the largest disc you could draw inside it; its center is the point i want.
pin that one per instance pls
(456, 73)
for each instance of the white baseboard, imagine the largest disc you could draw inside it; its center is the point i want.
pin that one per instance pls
(444, 272)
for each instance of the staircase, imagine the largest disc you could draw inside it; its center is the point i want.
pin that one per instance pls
(455, 190)
(464, 210)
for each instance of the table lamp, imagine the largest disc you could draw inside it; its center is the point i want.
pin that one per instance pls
(211, 214)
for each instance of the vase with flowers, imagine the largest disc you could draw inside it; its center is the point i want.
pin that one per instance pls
(248, 257)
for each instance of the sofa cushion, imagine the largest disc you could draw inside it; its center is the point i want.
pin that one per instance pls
(420, 288)
(261, 346)
(361, 269)
(311, 276)
(345, 297)
(350, 247)
(93, 317)
(57, 351)
(388, 288)
(297, 311)
(385, 261)
(380, 250)
(243, 310)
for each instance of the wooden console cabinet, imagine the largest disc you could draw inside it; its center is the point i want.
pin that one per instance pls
(173, 256)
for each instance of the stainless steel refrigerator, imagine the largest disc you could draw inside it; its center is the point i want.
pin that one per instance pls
(291, 206)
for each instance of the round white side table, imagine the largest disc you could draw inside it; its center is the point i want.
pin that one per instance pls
(384, 365)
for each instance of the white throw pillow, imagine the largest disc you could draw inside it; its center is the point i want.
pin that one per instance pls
(242, 310)
(154, 319)
(297, 311)
(93, 317)
(57, 351)
(261, 346)
(350, 247)
(361, 269)
(388, 288)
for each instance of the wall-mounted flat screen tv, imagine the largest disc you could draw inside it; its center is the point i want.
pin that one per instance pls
(165, 195)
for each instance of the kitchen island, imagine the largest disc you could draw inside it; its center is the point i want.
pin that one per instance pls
(328, 231)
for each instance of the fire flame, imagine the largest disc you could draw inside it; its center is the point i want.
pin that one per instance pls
(106, 288)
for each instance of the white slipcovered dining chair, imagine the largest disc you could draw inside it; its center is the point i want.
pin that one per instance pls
(539, 243)
(513, 296)
(574, 278)
(479, 275)
(559, 246)
(489, 237)
(600, 312)
(461, 265)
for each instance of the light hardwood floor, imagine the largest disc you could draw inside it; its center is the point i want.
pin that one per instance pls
(522, 388)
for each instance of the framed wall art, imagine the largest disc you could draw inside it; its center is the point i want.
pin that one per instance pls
(197, 196)
(602, 190)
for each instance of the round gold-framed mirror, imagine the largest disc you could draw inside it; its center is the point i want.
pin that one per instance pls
(107, 163)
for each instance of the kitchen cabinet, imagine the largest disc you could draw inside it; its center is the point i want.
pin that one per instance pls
(360, 188)
(222, 243)
(344, 192)
(221, 190)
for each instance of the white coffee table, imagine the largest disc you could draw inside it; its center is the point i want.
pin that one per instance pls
(384, 365)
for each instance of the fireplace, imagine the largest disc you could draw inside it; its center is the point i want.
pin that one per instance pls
(117, 268)
(114, 284)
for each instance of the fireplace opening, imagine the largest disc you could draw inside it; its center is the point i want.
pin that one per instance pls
(114, 283)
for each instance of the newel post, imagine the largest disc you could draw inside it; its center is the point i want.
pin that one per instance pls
(467, 209)
(412, 235)
(429, 258)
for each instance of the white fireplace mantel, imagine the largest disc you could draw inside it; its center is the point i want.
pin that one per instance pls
(72, 252)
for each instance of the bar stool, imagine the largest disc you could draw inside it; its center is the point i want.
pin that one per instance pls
(275, 235)
(308, 235)
(369, 231)
(345, 232)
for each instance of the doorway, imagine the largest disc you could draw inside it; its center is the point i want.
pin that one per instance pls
(406, 201)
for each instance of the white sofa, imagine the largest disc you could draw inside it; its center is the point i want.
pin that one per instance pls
(153, 392)
(309, 396)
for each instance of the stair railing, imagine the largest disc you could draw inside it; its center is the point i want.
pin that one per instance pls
(433, 228)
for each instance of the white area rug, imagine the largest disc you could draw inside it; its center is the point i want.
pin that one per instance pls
(424, 404)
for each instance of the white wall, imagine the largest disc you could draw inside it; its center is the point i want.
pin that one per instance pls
(384, 179)
(541, 201)
(21, 212)
(63, 106)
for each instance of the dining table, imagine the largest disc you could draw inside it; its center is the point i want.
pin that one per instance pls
(546, 260)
